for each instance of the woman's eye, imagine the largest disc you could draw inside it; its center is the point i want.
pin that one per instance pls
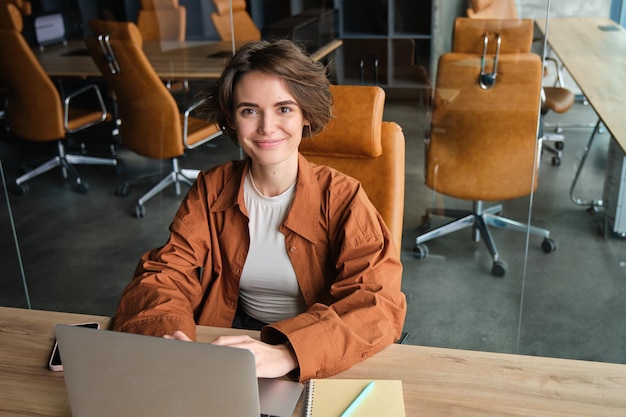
(284, 109)
(247, 112)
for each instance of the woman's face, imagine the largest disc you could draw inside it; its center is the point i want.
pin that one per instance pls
(267, 118)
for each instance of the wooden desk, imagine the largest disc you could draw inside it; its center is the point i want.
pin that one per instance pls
(192, 60)
(436, 381)
(596, 60)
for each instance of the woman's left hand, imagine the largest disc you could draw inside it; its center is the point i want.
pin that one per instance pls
(272, 361)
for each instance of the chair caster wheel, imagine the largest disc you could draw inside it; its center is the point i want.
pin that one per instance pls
(21, 189)
(123, 190)
(559, 145)
(548, 245)
(82, 188)
(420, 251)
(556, 161)
(499, 268)
(140, 211)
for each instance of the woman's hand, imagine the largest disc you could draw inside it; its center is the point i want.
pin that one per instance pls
(272, 361)
(178, 335)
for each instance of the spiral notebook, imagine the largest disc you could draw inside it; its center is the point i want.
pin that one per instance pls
(330, 397)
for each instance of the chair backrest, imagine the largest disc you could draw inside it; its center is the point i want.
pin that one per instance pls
(244, 27)
(482, 142)
(34, 110)
(162, 20)
(359, 143)
(25, 7)
(492, 9)
(516, 35)
(151, 121)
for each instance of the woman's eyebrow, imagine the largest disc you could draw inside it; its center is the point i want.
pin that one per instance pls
(279, 104)
(246, 104)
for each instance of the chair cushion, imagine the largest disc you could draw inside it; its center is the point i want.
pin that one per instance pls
(360, 138)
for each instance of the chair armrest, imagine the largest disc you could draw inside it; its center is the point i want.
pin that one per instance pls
(67, 102)
(559, 72)
(186, 116)
(186, 127)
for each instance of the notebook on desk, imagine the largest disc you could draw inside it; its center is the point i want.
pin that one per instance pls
(110, 373)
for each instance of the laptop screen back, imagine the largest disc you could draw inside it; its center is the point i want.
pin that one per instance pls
(119, 374)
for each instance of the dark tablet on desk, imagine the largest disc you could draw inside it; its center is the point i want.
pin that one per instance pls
(221, 54)
(78, 52)
(608, 28)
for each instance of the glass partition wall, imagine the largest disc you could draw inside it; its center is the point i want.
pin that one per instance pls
(79, 251)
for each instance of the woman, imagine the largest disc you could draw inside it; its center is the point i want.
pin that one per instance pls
(273, 242)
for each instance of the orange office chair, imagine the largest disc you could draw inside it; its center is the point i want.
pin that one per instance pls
(152, 125)
(162, 20)
(25, 7)
(359, 143)
(244, 27)
(35, 110)
(482, 143)
(556, 98)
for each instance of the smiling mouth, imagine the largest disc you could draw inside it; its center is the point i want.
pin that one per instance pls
(268, 143)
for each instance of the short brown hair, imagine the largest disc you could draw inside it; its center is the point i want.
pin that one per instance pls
(305, 79)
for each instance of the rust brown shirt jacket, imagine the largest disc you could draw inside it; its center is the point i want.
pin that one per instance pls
(347, 266)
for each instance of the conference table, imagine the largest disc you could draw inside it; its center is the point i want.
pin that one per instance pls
(189, 60)
(436, 381)
(593, 50)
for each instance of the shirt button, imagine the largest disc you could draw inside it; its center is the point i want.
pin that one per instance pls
(292, 249)
(364, 355)
(318, 374)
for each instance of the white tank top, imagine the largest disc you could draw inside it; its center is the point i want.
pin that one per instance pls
(268, 289)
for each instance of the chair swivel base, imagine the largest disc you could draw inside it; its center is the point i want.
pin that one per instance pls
(480, 220)
(175, 177)
(66, 162)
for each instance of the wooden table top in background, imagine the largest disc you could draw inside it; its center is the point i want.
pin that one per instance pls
(190, 60)
(436, 381)
(593, 50)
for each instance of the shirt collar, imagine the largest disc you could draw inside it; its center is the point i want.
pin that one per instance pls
(303, 216)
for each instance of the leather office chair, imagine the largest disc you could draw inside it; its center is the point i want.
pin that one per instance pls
(162, 20)
(152, 125)
(556, 98)
(244, 27)
(35, 109)
(359, 143)
(25, 7)
(482, 143)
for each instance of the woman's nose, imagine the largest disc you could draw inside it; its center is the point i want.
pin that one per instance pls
(267, 125)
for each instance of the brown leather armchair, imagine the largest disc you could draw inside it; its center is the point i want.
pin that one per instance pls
(151, 123)
(244, 27)
(482, 143)
(359, 143)
(36, 111)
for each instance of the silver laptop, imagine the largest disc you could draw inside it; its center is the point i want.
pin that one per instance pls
(117, 374)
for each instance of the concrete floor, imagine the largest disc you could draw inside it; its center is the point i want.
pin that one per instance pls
(79, 251)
